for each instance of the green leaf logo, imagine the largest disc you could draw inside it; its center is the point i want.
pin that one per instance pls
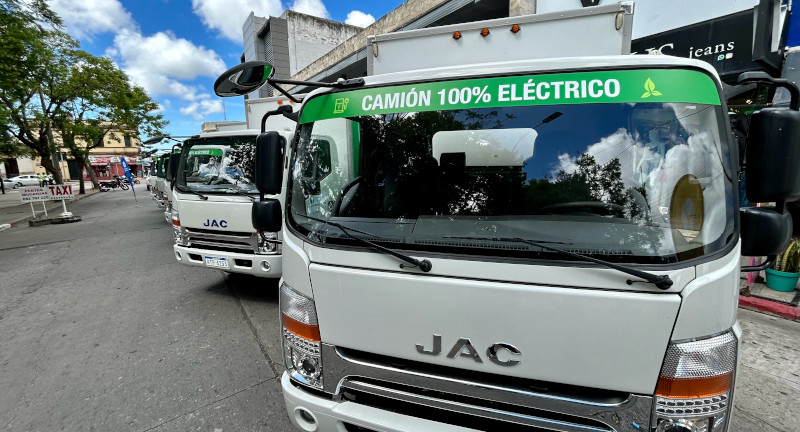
(650, 89)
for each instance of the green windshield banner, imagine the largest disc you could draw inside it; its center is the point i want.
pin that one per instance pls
(205, 152)
(624, 86)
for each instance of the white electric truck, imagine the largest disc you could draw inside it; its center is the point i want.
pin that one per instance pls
(524, 232)
(213, 191)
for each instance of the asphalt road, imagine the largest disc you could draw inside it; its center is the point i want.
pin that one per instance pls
(101, 330)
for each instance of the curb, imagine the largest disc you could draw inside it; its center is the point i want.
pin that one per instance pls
(770, 307)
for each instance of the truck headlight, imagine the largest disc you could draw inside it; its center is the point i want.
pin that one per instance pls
(267, 243)
(301, 339)
(177, 234)
(695, 385)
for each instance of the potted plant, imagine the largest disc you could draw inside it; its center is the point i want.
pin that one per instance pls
(786, 270)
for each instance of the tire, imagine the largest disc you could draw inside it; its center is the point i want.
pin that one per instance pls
(16, 185)
(123, 186)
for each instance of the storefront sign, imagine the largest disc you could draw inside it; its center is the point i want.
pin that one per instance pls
(109, 159)
(725, 42)
(47, 193)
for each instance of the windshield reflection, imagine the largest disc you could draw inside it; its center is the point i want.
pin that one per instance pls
(218, 165)
(628, 180)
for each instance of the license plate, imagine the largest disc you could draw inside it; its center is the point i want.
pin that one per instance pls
(217, 262)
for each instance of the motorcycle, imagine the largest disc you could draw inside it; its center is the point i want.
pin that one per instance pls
(113, 184)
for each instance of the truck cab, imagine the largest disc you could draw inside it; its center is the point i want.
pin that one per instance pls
(212, 197)
(530, 243)
(158, 179)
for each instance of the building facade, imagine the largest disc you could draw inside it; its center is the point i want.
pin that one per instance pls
(290, 42)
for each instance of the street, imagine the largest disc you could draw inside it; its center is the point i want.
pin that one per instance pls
(102, 330)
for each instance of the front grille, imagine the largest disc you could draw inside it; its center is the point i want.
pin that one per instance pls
(477, 400)
(460, 410)
(224, 241)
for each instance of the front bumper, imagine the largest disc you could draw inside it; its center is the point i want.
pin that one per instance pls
(268, 266)
(332, 416)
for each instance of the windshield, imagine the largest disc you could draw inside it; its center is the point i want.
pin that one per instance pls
(642, 181)
(218, 165)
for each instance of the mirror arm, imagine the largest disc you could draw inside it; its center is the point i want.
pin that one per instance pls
(764, 78)
(353, 82)
(283, 109)
(763, 266)
(284, 92)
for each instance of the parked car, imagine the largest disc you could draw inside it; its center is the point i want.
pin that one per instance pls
(26, 180)
(8, 184)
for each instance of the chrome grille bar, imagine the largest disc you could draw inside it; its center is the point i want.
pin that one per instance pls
(245, 242)
(343, 368)
(470, 409)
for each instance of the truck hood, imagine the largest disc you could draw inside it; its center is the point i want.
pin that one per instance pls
(594, 338)
(220, 215)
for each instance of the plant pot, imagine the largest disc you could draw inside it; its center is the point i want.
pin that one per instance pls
(782, 281)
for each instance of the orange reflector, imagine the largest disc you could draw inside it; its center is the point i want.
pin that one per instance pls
(305, 331)
(684, 388)
(280, 102)
(515, 28)
(457, 35)
(485, 32)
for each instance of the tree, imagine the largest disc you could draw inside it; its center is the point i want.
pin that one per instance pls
(47, 83)
(103, 101)
(30, 62)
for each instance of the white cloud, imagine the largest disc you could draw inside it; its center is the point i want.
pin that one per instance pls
(358, 18)
(86, 18)
(311, 7)
(227, 16)
(200, 109)
(158, 62)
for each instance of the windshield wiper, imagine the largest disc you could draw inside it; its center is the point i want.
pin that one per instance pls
(662, 282)
(238, 192)
(190, 190)
(423, 265)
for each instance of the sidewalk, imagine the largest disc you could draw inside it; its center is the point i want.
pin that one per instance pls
(758, 296)
(13, 212)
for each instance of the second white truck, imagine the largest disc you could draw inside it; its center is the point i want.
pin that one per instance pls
(212, 195)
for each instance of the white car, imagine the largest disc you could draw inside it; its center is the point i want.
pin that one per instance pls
(8, 184)
(26, 180)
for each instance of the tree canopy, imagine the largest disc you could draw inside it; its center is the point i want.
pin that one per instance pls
(48, 84)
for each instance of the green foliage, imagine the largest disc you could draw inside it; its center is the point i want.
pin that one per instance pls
(47, 83)
(789, 260)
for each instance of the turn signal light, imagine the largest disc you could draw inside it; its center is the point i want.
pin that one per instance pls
(457, 35)
(694, 387)
(305, 331)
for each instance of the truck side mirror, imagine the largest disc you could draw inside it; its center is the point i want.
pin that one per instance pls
(772, 156)
(269, 163)
(773, 146)
(266, 215)
(243, 78)
(765, 232)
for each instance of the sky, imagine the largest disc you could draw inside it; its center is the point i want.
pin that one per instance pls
(175, 49)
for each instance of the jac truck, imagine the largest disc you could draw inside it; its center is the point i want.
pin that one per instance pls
(525, 232)
(212, 191)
